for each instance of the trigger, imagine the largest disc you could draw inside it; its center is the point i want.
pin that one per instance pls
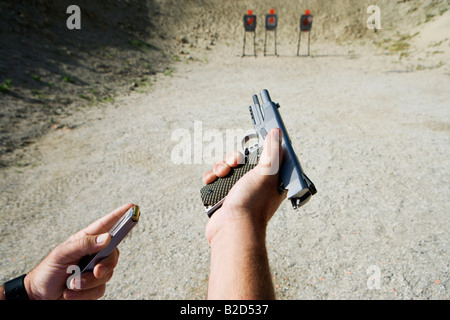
(246, 139)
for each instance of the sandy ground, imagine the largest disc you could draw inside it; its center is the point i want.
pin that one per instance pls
(371, 132)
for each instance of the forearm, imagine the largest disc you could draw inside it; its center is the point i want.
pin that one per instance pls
(239, 263)
(2, 293)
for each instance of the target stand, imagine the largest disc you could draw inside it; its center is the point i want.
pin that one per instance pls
(271, 25)
(249, 26)
(305, 26)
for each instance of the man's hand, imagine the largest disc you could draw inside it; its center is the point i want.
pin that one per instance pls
(48, 279)
(255, 196)
(237, 231)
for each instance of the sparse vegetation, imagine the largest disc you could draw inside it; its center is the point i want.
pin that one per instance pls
(68, 79)
(106, 99)
(6, 85)
(139, 44)
(169, 71)
(429, 17)
(398, 46)
(82, 96)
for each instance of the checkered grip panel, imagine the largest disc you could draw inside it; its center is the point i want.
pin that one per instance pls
(217, 190)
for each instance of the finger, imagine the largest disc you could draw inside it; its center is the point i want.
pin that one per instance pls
(75, 249)
(106, 265)
(234, 158)
(89, 281)
(88, 294)
(105, 223)
(209, 177)
(272, 154)
(221, 169)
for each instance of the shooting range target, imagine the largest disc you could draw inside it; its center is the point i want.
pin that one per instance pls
(250, 21)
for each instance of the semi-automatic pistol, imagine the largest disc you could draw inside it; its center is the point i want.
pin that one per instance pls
(292, 178)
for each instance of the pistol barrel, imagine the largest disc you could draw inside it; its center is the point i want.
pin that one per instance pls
(255, 100)
(265, 96)
(256, 112)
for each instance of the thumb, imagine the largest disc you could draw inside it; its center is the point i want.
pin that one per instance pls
(74, 249)
(272, 154)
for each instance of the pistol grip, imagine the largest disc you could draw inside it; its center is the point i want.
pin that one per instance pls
(216, 191)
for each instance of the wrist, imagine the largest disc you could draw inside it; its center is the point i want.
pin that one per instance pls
(257, 214)
(28, 284)
(239, 262)
(14, 289)
(222, 228)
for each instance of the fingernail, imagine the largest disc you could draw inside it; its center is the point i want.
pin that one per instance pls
(77, 284)
(100, 272)
(101, 238)
(219, 167)
(277, 134)
(209, 176)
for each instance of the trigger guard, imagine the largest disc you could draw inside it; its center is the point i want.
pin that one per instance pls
(247, 138)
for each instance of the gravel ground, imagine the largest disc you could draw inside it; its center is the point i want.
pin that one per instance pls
(373, 138)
